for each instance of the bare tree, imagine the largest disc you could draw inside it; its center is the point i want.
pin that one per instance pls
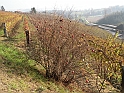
(33, 10)
(2, 8)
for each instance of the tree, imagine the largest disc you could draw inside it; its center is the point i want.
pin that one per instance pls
(33, 10)
(2, 8)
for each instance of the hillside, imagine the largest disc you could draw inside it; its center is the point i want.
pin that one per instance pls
(63, 56)
(113, 19)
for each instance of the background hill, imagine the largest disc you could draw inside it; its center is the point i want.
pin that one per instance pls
(113, 19)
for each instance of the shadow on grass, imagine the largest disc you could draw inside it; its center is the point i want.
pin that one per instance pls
(10, 39)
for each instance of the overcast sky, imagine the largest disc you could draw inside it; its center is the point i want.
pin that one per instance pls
(11, 5)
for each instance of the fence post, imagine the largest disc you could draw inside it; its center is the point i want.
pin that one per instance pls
(27, 36)
(4, 29)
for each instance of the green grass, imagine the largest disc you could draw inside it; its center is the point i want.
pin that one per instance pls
(20, 32)
(15, 59)
(1, 31)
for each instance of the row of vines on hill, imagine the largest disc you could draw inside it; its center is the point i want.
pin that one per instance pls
(68, 54)
(10, 19)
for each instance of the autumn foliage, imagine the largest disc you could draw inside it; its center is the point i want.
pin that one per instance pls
(11, 21)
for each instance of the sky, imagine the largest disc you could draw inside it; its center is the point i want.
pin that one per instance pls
(13, 5)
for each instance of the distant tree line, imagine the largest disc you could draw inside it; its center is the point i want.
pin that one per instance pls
(113, 19)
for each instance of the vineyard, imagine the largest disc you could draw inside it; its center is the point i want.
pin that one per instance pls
(10, 19)
(70, 52)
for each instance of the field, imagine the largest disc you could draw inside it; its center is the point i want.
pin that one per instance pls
(94, 19)
(79, 57)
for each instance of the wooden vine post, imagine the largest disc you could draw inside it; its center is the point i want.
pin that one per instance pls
(27, 36)
(26, 28)
(4, 29)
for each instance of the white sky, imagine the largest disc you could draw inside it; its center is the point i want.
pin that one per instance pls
(11, 5)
